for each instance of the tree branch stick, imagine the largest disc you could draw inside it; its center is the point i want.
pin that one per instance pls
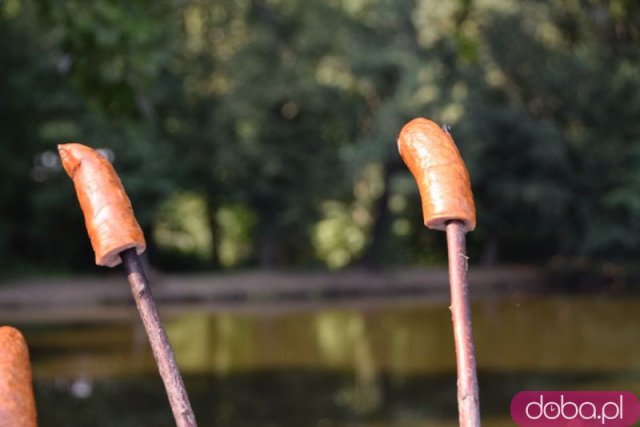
(468, 400)
(158, 339)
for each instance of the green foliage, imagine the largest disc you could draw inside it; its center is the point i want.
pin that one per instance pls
(554, 130)
(272, 111)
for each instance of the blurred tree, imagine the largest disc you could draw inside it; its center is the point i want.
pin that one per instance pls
(552, 128)
(277, 128)
(63, 84)
(34, 103)
(278, 119)
(541, 97)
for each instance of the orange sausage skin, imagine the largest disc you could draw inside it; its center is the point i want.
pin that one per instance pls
(107, 210)
(17, 404)
(442, 177)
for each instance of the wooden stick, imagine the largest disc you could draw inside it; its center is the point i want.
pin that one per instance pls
(468, 400)
(158, 339)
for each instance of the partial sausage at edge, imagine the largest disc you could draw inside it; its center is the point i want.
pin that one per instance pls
(442, 177)
(17, 404)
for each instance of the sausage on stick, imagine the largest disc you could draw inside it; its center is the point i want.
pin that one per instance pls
(116, 237)
(108, 214)
(17, 405)
(447, 204)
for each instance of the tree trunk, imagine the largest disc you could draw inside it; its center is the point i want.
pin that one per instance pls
(375, 249)
(214, 229)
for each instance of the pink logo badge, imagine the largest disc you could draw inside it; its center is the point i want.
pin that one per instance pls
(575, 408)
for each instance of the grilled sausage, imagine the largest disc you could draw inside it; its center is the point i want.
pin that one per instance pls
(442, 177)
(17, 404)
(107, 210)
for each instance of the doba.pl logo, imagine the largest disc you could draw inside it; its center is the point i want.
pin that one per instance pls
(575, 408)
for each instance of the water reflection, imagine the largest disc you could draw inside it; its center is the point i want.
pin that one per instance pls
(390, 367)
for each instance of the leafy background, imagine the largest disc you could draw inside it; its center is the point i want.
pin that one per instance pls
(262, 132)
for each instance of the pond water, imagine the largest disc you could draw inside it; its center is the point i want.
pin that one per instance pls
(367, 367)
